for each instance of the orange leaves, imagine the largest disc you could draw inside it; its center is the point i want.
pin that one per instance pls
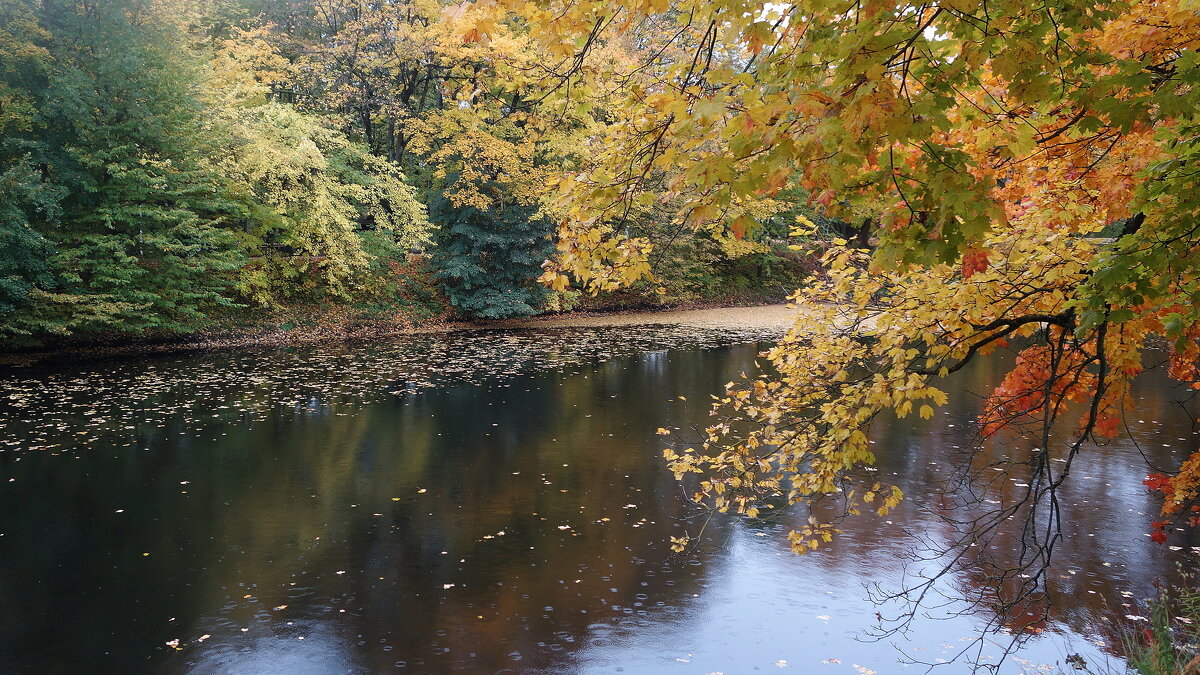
(1158, 482)
(1179, 490)
(1107, 425)
(1023, 391)
(1184, 364)
(757, 35)
(974, 260)
(1158, 532)
(738, 228)
(1046, 375)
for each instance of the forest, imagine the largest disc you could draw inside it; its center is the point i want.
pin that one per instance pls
(171, 167)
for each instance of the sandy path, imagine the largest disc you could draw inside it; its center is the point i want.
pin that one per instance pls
(779, 317)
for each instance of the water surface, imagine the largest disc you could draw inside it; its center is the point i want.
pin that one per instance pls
(482, 503)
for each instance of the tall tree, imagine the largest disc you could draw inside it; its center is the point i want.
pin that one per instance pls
(492, 240)
(311, 195)
(26, 198)
(374, 66)
(139, 243)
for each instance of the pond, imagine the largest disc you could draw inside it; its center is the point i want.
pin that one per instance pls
(485, 502)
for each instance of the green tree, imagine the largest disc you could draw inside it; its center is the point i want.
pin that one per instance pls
(140, 243)
(312, 196)
(486, 192)
(488, 258)
(25, 197)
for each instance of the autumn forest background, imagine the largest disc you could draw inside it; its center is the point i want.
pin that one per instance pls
(171, 167)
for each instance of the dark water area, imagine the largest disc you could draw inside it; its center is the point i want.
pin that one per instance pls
(489, 502)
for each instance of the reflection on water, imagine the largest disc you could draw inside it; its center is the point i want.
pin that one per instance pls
(396, 506)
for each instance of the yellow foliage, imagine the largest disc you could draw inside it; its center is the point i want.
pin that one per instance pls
(986, 156)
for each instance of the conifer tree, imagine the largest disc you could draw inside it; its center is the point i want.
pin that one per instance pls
(485, 198)
(488, 258)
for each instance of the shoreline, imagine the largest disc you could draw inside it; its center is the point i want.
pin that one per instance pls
(701, 316)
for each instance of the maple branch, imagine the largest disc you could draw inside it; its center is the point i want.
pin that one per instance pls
(1057, 132)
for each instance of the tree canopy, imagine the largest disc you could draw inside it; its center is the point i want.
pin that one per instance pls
(168, 166)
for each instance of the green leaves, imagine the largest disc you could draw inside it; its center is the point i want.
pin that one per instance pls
(488, 260)
(309, 191)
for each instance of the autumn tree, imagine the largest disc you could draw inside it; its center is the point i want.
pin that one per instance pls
(985, 145)
(153, 177)
(373, 66)
(312, 195)
(489, 165)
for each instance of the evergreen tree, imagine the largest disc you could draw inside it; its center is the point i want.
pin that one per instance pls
(488, 258)
(486, 197)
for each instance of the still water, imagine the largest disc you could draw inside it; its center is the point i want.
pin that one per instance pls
(490, 502)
